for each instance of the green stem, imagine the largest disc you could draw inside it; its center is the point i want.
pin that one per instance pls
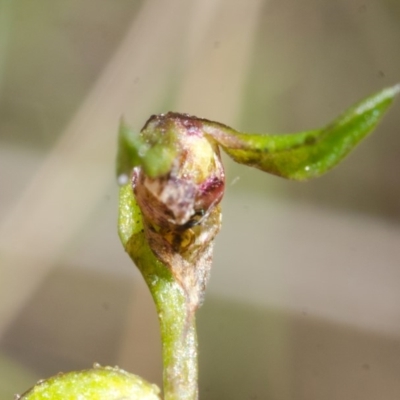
(177, 322)
(179, 339)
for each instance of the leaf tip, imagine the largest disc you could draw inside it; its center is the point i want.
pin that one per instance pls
(396, 89)
(391, 91)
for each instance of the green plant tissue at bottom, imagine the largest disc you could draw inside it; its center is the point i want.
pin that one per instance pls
(99, 383)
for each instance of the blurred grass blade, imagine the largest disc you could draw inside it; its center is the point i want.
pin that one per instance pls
(306, 155)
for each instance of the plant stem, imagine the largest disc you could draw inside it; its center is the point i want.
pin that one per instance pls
(178, 331)
(179, 341)
(177, 321)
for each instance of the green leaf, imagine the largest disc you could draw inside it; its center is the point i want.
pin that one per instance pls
(305, 155)
(93, 384)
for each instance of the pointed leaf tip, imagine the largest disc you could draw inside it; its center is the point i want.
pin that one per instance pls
(381, 98)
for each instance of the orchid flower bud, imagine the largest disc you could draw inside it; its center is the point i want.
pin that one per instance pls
(179, 199)
(193, 186)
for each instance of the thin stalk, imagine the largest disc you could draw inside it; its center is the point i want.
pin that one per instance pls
(177, 323)
(179, 340)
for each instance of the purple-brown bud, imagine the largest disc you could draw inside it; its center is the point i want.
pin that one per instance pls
(180, 208)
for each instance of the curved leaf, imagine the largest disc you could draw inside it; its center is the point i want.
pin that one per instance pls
(305, 155)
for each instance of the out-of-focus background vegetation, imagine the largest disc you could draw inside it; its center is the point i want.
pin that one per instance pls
(304, 299)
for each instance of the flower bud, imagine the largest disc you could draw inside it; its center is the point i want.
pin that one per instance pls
(180, 207)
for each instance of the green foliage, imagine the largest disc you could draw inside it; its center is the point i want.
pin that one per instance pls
(306, 155)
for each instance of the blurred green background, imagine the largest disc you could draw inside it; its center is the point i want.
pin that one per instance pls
(303, 299)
